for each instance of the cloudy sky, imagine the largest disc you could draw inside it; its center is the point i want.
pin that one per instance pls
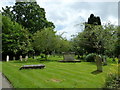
(68, 15)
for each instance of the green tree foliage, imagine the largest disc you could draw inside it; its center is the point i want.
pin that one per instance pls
(89, 35)
(92, 21)
(45, 41)
(117, 44)
(30, 17)
(28, 14)
(15, 38)
(96, 38)
(110, 35)
(101, 40)
(62, 45)
(76, 44)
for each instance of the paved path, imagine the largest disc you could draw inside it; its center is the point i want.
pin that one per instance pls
(4, 83)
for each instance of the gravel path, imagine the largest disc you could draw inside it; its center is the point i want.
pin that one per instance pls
(4, 83)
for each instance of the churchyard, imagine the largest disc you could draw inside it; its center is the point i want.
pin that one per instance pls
(80, 52)
(57, 74)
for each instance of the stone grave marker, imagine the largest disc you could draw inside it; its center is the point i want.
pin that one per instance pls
(20, 58)
(7, 58)
(26, 58)
(104, 60)
(13, 58)
(99, 63)
(34, 57)
(68, 56)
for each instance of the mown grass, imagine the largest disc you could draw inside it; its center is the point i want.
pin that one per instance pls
(56, 74)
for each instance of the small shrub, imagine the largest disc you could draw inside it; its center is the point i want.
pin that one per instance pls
(113, 79)
(90, 57)
(42, 55)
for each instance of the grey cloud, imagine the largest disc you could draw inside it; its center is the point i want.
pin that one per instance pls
(79, 12)
(102, 9)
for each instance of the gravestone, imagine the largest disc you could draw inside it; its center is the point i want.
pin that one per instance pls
(104, 60)
(49, 55)
(40, 66)
(26, 58)
(34, 57)
(99, 63)
(13, 58)
(68, 56)
(7, 58)
(20, 58)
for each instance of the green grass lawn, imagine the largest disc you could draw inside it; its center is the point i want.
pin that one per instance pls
(56, 74)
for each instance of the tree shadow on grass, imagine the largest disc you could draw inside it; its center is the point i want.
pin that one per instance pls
(96, 72)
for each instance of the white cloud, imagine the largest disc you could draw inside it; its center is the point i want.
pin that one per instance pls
(112, 20)
(4, 3)
(69, 14)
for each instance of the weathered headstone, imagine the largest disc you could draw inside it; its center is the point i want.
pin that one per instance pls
(104, 60)
(34, 57)
(99, 63)
(26, 58)
(20, 58)
(13, 58)
(49, 55)
(7, 59)
(68, 56)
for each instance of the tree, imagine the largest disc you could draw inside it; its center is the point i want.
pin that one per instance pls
(28, 14)
(15, 38)
(45, 41)
(96, 38)
(99, 40)
(76, 44)
(117, 44)
(111, 38)
(88, 36)
(62, 45)
(92, 21)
